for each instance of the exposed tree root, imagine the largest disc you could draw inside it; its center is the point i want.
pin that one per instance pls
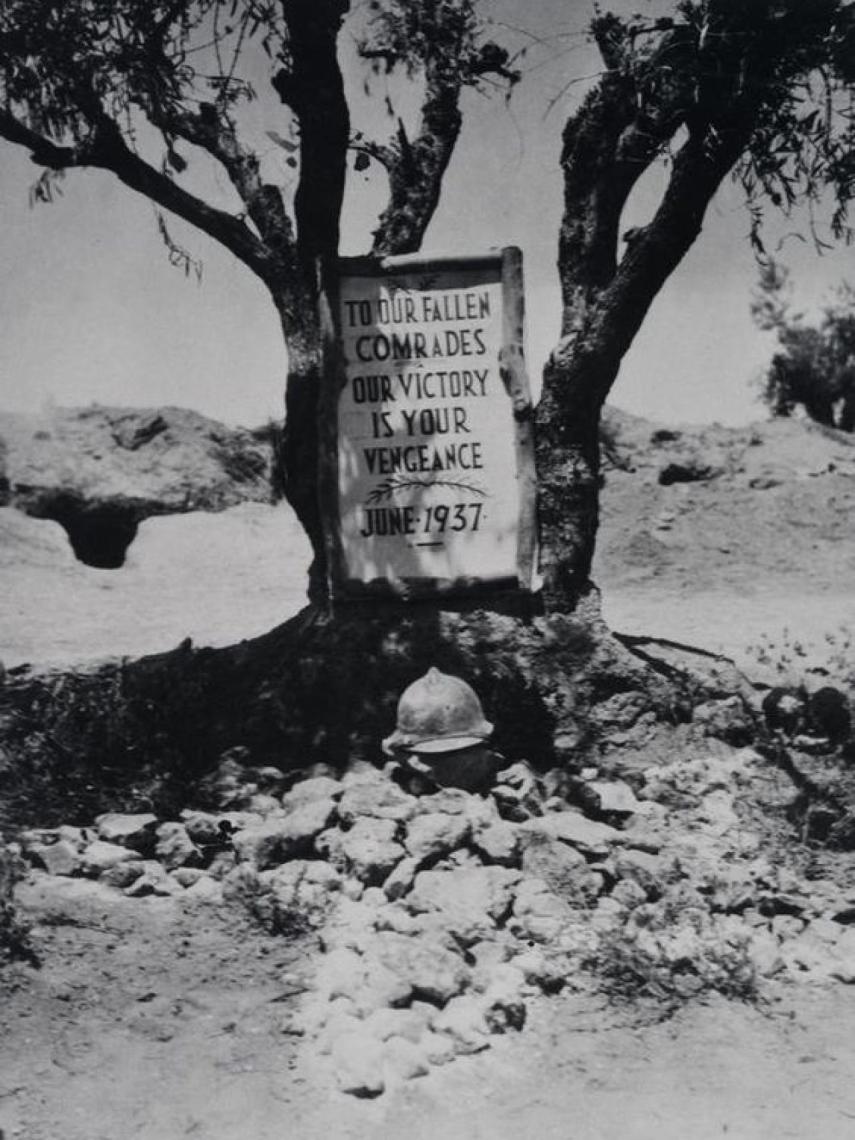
(320, 687)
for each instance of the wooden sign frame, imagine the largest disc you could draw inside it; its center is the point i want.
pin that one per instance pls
(498, 266)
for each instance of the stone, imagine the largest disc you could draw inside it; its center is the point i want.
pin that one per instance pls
(520, 776)
(463, 1020)
(315, 788)
(153, 881)
(329, 1020)
(122, 875)
(447, 801)
(546, 971)
(99, 855)
(269, 779)
(330, 846)
(409, 1024)
(728, 719)
(764, 953)
(439, 1048)
(78, 837)
(434, 835)
(60, 858)
(276, 840)
(222, 863)
(369, 849)
(229, 785)
(844, 968)
(129, 830)
(538, 914)
(504, 1007)
(608, 914)
(650, 872)
(263, 804)
(807, 953)
(561, 867)
(469, 900)
(487, 955)
(614, 797)
(717, 812)
(241, 885)
(205, 889)
(629, 893)
(587, 835)
(352, 925)
(401, 879)
(339, 973)
(300, 894)
(366, 982)
(513, 805)
(787, 927)
(174, 847)
(499, 843)
(204, 829)
(398, 918)
(358, 1063)
(434, 972)
(187, 876)
(376, 799)
(462, 857)
(644, 833)
(404, 1060)
(481, 811)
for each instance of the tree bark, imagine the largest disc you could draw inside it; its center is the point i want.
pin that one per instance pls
(313, 87)
(417, 167)
(321, 688)
(605, 303)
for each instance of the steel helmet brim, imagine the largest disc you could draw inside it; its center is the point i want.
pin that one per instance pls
(434, 745)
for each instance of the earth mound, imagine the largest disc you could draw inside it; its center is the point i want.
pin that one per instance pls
(100, 471)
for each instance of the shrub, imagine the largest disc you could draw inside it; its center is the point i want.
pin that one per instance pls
(15, 942)
(814, 367)
(674, 949)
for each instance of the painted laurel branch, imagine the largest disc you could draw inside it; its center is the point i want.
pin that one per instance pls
(395, 483)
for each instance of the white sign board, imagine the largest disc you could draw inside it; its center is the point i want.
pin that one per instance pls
(433, 459)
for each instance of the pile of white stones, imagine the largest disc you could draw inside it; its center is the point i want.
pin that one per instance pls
(438, 917)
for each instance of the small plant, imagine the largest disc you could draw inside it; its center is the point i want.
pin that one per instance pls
(813, 367)
(674, 949)
(15, 942)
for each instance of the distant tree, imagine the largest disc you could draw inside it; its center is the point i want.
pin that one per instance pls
(814, 367)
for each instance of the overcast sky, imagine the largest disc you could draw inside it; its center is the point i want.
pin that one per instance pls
(91, 310)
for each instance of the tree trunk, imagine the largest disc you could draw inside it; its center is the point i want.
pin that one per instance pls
(605, 304)
(313, 87)
(299, 457)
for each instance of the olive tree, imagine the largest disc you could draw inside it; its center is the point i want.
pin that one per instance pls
(150, 89)
(758, 90)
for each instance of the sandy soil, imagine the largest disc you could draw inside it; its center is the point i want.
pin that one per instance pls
(153, 1019)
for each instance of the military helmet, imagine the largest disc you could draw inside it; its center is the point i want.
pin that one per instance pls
(438, 713)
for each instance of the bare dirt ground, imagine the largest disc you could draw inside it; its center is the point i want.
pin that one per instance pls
(156, 1019)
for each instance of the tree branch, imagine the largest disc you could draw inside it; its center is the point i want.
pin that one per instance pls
(105, 149)
(264, 202)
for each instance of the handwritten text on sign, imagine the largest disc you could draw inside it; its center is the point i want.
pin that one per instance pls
(426, 452)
